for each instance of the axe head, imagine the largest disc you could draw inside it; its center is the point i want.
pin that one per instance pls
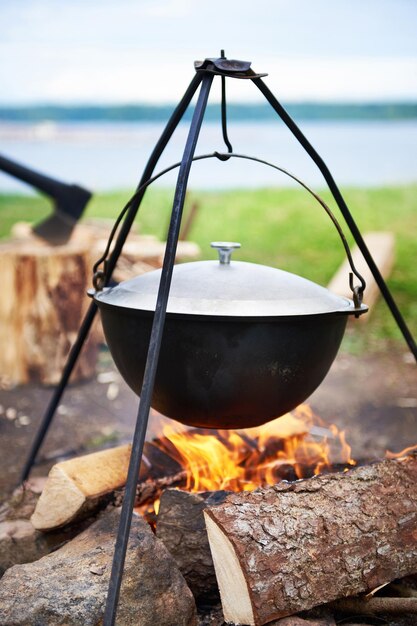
(69, 206)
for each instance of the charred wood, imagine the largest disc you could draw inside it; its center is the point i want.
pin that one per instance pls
(180, 525)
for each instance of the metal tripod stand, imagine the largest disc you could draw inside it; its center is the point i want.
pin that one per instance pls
(205, 73)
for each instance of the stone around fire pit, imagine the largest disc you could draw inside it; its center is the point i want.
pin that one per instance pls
(70, 585)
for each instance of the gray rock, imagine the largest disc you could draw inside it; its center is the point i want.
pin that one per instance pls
(19, 541)
(69, 586)
(22, 502)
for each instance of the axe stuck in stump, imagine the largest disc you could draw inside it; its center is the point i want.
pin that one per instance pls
(69, 201)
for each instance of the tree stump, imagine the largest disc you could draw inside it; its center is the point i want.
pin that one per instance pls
(43, 303)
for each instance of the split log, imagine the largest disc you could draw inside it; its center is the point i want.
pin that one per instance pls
(70, 585)
(80, 487)
(43, 304)
(381, 245)
(180, 525)
(290, 547)
(77, 487)
(188, 221)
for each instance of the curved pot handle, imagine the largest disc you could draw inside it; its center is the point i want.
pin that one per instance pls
(101, 276)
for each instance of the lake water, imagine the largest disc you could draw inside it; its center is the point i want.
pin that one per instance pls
(104, 156)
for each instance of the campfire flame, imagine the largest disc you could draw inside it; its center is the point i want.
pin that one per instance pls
(296, 445)
(399, 455)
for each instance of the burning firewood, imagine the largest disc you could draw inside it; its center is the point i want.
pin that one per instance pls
(196, 460)
(287, 548)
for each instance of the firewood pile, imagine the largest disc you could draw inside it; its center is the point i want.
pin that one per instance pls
(335, 548)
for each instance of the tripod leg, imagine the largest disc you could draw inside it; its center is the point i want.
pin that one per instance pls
(92, 310)
(289, 122)
(59, 390)
(150, 166)
(152, 357)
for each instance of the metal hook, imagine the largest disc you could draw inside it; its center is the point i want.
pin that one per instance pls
(224, 117)
(357, 292)
(99, 279)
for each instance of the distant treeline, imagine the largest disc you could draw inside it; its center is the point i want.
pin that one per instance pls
(236, 112)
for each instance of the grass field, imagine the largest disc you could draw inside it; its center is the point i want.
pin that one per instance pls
(280, 227)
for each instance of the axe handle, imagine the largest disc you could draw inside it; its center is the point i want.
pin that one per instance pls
(47, 185)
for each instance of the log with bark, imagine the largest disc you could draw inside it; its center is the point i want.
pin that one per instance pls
(290, 547)
(375, 605)
(381, 246)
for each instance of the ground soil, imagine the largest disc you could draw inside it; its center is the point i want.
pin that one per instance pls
(372, 396)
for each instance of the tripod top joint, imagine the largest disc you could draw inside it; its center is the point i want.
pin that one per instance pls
(227, 67)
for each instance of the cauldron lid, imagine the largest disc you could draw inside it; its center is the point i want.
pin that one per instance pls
(237, 289)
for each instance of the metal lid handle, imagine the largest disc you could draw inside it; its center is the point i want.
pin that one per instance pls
(225, 249)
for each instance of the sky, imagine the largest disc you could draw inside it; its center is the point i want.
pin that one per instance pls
(120, 51)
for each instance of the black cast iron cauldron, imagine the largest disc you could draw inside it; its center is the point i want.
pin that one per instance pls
(242, 343)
